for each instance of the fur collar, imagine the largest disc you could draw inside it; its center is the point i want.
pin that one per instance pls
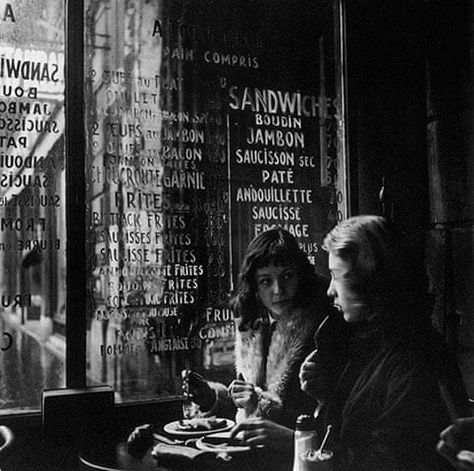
(291, 340)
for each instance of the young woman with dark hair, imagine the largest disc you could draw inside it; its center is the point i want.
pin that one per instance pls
(278, 306)
(279, 248)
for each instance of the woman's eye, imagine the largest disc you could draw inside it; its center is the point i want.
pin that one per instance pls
(264, 282)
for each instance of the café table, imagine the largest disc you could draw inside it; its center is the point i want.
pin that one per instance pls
(114, 455)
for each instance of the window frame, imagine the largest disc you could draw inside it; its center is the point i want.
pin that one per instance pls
(75, 205)
(75, 140)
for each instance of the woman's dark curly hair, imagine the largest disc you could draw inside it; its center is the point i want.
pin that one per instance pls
(277, 247)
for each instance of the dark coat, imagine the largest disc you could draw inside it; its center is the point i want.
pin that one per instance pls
(390, 404)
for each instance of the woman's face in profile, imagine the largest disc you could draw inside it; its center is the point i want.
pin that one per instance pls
(277, 287)
(345, 299)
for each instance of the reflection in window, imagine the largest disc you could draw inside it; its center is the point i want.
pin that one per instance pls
(204, 127)
(32, 188)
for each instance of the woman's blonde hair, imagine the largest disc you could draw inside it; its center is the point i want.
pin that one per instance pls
(384, 270)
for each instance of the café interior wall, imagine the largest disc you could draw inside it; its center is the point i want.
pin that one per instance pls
(410, 89)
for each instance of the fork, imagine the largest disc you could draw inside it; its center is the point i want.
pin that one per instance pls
(169, 441)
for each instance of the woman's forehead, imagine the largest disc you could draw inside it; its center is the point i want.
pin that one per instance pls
(273, 268)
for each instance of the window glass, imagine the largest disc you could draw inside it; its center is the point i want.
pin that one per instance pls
(32, 206)
(207, 122)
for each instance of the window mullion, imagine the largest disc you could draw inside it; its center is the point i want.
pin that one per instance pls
(75, 196)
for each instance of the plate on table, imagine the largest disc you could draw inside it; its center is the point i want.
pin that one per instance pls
(222, 443)
(198, 427)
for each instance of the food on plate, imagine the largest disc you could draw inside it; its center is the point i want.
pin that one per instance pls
(201, 424)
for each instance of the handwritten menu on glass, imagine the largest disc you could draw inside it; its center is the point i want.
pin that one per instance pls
(207, 123)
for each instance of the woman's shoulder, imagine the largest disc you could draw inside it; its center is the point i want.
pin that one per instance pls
(424, 350)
